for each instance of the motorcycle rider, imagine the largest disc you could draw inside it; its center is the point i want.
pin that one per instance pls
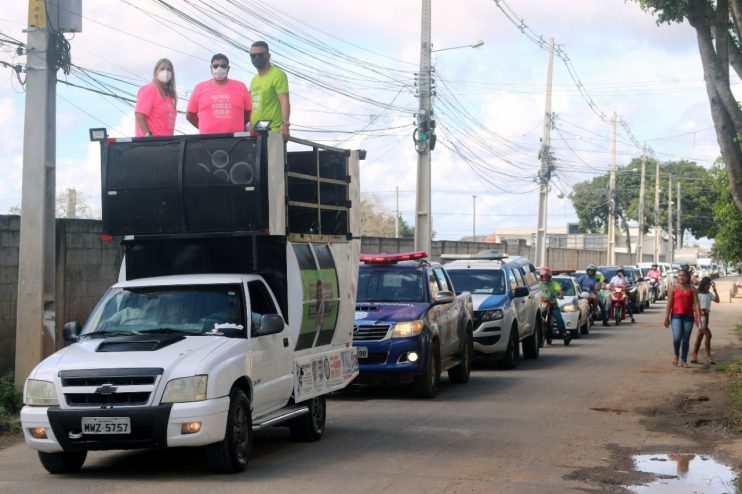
(551, 291)
(591, 283)
(620, 279)
(656, 275)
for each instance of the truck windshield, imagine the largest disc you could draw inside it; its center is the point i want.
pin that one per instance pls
(390, 286)
(194, 309)
(478, 281)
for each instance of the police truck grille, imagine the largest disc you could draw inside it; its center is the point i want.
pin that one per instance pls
(370, 333)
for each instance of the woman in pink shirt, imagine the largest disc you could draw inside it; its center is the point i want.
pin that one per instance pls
(681, 311)
(157, 103)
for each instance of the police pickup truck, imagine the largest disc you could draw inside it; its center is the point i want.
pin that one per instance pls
(410, 324)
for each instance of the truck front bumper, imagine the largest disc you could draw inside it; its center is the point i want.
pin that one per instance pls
(151, 427)
(391, 360)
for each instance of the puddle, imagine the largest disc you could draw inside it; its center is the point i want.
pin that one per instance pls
(686, 473)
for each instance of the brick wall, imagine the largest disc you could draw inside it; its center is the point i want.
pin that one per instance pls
(9, 241)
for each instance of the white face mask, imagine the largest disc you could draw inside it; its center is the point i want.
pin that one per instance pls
(164, 76)
(219, 74)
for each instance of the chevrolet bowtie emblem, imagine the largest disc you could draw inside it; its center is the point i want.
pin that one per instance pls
(106, 389)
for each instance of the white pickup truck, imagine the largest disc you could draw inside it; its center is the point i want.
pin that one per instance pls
(212, 331)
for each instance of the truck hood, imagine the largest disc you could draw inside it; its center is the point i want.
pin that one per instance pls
(485, 302)
(157, 350)
(390, 312)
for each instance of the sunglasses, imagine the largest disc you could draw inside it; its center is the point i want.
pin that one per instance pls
(258, 55)
(219, 65)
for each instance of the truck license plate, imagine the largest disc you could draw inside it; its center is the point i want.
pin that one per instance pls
(106, 425)
(362, 352)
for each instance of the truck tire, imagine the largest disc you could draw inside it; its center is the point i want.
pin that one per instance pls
(512, 353)
(585, 329)
(231, 454)
(532, 343)
(460, 373)
(62, 462)
(426, 384)
(310, 427)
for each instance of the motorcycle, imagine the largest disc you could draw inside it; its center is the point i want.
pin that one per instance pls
(619, 300)
(549, 325)
(654, 288)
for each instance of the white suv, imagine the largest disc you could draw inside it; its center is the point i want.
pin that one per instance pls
(507, 305)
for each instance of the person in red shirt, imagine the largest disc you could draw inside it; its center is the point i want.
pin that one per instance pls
(682, 309)
(157, 103)
(219, 105)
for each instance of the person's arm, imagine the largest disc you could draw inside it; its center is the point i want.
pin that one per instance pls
(668, 306)
(696, 307)
(193, 118)
(141, 119)
(283, 99)
(716, 294)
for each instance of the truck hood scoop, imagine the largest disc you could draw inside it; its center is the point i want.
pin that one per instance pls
(138, 343)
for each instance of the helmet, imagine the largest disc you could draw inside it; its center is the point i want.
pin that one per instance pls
(591, 267)
(654, 265)
(545, 273)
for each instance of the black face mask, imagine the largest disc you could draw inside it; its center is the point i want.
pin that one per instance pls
(259, 61)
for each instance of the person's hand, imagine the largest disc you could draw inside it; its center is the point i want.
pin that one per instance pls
(667, 322)
(284, 131)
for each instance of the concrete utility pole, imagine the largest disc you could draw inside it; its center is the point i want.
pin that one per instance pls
(670, 243)
(640, 239)
(545, 173)
(35, 325)
(657, 211)
(612, 199)
(678, 229)
(423, 221)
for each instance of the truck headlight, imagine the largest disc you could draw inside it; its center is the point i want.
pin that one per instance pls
(40, 394)
(492, 315)
(185, 389)
(407, 328)
(570, 308)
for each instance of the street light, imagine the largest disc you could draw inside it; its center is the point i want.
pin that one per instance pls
(476, 44)
(424, 135)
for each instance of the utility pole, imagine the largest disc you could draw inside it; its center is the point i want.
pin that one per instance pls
(396, 216)
(677, 228)
(640, 239)
(424, 139)
(670, 244)
(611, 258)
(656, 210)
(474, 218)
(545, 173)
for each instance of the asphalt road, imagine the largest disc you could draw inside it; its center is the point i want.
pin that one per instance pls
(519, 431)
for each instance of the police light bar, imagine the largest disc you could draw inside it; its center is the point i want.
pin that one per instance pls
(392, 258)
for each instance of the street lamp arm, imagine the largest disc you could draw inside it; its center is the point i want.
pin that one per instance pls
(476, 44)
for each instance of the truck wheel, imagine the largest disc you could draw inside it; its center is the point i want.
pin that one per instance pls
(585, 329)
(62, 462)
(532, 343)
(460, 373)
(512, 353)
(231, 454)
(310, 427)
(426, 384)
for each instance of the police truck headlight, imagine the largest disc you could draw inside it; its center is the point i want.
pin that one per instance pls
(40, 394)
(491, 315)
(570, 308)
(185, 389)
(407, 328)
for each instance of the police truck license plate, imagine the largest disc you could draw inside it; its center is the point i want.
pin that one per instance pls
(106, 425)
(362, 352)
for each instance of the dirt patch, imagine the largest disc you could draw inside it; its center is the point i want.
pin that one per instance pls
(703, 415)
(10, 438)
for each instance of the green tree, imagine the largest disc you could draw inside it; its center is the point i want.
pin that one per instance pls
(728, 240)
(718, 24)
(378, 221)
(590, 198)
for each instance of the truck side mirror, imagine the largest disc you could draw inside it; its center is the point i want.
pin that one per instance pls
(444, 297)
(269, 324)
(71, 331)
(521, 291)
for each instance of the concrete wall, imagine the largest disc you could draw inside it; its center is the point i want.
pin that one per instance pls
(10, 227)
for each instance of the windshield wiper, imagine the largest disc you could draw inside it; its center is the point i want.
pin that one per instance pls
(109, 333)
(165, 330)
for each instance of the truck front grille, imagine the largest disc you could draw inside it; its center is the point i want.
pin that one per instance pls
(109, 387)
(371, 332)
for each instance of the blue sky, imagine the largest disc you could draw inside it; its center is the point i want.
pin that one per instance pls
(352, 68)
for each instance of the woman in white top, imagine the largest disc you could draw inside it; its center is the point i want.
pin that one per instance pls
(705, 297)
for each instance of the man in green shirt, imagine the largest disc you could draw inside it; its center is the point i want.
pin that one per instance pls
(269, 91)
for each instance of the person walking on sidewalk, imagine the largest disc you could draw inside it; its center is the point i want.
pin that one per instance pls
(705, 297)
(682, 309)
